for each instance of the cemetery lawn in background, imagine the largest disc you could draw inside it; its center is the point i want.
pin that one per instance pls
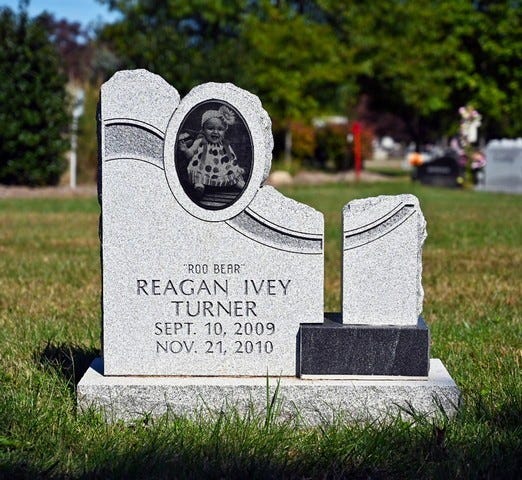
(49, 319)
(394, 172)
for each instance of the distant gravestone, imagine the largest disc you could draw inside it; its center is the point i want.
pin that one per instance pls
(503, 171)
(212, 282)
(441, 172)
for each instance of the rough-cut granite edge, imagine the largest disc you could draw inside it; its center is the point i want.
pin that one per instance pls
(291, 214)
(359, 205)
(139, 95)
(309, 402)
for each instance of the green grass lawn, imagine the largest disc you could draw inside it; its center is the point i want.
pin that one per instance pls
(50, 330)
(388, 171)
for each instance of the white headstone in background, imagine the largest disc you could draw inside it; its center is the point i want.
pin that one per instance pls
(382, 261)
(503, 171)
(205, 271)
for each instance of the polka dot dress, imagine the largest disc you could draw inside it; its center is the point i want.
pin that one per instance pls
(213, 164)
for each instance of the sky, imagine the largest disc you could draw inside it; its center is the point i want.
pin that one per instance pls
(83, 11)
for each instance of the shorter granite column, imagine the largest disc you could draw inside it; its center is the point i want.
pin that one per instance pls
(380, 331)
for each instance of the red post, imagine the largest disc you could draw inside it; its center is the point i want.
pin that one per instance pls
(357, 150)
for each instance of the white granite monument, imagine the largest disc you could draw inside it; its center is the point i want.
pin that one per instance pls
(503, 171)
(382, 260)
(212, 283)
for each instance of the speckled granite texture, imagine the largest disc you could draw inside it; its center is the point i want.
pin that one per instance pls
(189, 290)
(382, 260)
(309, 401)
(204, 292)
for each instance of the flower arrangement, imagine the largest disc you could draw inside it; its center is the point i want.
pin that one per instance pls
(473, 159)
(470, 120)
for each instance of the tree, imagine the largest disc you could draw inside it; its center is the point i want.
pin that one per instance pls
(187, 42)
(282, 52)
(33, 103)
(87, 137)
(296, 66)
(407, 54)
(414, 61)
(72, 43)
(422, 60)
(497, 51)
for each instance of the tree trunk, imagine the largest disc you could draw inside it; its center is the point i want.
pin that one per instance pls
(416, 132)
(288, 146)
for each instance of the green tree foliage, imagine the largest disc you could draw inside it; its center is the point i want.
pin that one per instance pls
(498, 56)
(186, 42)
(87, 136)
(295, 65)
(424, 59)
(33, 116)
(418, 60)
(276, 52)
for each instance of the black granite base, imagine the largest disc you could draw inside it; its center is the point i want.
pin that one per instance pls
(334, 348)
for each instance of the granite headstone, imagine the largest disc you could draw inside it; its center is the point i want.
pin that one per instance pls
(380, 332)
(212, 282)
(444, 171)
(205, 271)
(382, 260)
(503, 171)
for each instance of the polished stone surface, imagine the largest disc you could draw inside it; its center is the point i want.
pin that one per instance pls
(338, 349)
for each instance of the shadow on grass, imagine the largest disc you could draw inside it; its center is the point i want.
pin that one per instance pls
(187, 451)
(69, 361)
(22, 471)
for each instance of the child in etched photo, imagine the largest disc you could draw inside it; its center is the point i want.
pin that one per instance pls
(212, 161)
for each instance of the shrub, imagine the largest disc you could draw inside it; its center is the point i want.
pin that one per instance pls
(303, 142)
(87, 136)
(33, 103)
(332, 147)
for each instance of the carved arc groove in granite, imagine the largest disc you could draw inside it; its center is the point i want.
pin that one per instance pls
(134, 121)
(263, 231)
(291, 231)
(133, 139)
(369, 233)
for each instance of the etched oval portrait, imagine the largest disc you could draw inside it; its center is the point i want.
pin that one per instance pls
(213, 154)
